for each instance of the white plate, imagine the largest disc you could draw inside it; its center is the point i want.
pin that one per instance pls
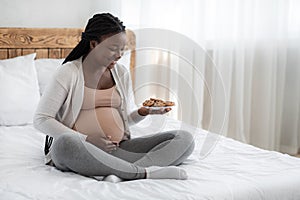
(158, 108)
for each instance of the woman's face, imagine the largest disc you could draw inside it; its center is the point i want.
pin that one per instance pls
(109, 50)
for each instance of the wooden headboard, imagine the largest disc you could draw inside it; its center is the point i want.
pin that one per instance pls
(48, 42)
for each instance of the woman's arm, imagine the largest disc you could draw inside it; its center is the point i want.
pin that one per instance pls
(50, 103)
(134, 115)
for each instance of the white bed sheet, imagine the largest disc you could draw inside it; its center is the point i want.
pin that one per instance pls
(233, 170)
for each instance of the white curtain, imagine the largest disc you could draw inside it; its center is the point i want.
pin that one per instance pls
(251, 87)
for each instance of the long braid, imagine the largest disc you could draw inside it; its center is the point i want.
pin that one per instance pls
(98, 26)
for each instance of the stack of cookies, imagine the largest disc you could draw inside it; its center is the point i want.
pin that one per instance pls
(155, 102)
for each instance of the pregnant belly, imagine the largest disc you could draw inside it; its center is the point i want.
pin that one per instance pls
(103, 121)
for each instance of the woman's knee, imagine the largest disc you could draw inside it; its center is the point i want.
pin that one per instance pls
(66, 140)
(64, 146)
(186, 137)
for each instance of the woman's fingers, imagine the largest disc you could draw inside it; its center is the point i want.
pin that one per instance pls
(111, 148)
(107, 144)
(111, 145)
(168, 109)
(115, 143)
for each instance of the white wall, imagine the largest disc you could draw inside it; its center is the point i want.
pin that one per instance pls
(53, 13)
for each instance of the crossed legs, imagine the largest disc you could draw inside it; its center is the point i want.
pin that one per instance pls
(129, 161)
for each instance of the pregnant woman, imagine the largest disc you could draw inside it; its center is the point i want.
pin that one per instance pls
(88, 106)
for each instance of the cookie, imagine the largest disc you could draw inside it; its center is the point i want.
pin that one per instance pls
(170, 103)
(148, 103)
(155, 102)
(159, 104)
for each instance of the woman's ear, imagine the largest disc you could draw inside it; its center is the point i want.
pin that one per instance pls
(93, 44)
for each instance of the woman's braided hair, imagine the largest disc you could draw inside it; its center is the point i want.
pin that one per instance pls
(98, 26)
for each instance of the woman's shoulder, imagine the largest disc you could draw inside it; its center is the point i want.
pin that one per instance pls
(70, 67)
(121, 69)
(67, 70)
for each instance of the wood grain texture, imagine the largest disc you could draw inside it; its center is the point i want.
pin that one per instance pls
(46, 42)
(65, 52)
(131, 45)
(55, 53)
(14, 52)
(42, 53)
(27, 51)
(131, 40)
(3, 53)
(39, 37)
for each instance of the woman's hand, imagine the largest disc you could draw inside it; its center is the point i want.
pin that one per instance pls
(101, 142)
(149, 111)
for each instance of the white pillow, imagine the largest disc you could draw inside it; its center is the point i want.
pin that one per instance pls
(45, 69)
(19, 90)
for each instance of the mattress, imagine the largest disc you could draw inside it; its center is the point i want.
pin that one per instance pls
(231, 170)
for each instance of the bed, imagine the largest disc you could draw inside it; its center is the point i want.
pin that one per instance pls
(232, 170)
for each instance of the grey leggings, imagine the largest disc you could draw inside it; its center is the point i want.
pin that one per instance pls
(70, 153)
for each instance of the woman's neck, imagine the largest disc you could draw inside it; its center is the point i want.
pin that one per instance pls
(96, 77)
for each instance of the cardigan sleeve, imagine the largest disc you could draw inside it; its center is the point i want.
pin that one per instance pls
(53, 98)
(132, 109)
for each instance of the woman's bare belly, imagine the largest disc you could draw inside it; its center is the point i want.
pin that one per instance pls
(102, 121)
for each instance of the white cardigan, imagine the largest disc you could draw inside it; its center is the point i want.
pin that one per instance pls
(62, 99)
